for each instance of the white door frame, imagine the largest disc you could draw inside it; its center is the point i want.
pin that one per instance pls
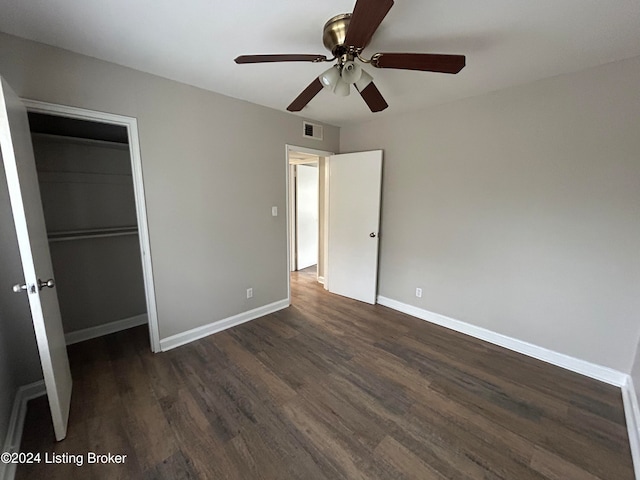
(131, 124)
(319, 153)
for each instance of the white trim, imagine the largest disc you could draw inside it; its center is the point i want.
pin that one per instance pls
(632, 416)
(220, 325)
(310, 151)
(138, 187)
(305, 161)
(16, 424)
(320, 280)
(598, 372)
(105, 329)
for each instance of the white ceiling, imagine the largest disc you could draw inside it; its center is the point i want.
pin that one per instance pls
(507, 42)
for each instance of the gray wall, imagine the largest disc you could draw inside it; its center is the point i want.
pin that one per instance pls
(213, 166)
(19, 359)
(519, 211)
(88, 185)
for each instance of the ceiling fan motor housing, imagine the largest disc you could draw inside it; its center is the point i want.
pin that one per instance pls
(334, 34)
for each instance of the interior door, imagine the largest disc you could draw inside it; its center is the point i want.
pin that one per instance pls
(38, 283)
(354, 221)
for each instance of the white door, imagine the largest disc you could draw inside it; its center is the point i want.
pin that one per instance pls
(307, 215)
(354, 221)
(38, 283)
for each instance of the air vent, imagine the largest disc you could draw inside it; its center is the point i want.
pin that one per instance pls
(311, 130)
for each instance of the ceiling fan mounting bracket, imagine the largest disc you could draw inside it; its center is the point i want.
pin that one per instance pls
(374, 59)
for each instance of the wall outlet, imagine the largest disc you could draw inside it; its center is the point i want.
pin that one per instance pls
(419, 292)
(249, 292)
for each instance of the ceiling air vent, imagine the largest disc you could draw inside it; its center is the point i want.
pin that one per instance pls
(311, 130)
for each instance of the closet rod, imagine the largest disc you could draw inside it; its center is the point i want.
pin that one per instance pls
(92, 233)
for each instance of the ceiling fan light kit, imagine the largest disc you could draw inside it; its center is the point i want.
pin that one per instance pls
(364, 80)
(342, 88)
(330, 77)
(351, 72)
(346, 36)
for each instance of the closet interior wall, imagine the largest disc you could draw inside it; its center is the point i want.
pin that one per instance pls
(88, 200)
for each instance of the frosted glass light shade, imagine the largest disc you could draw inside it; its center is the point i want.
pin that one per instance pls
(364, 80)
(330, 78)
(342, 88)
(351, 72)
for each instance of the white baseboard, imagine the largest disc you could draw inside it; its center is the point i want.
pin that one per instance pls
(598, 372)
(105, 329)
(321, 280)
(16, 424)
(215, 327)
(632, 415)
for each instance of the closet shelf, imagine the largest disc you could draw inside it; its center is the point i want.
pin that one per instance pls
(67, 235)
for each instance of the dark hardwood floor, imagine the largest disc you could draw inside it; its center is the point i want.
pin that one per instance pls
(330, 388)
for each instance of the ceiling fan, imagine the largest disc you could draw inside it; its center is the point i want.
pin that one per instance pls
(346, 36)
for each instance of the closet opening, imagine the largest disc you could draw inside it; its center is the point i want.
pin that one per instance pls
(89, 200)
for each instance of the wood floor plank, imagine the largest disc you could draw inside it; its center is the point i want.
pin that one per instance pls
(195, 434)
(253, 367)
(410, 466)
(175, 467)
(556, 468)
(109, 435)
(255, 458)
(330, 388)
(149, 434)
(336, 457)
(361, 426)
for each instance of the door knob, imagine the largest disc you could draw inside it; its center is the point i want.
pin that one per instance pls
(49, 284)
(372, 235)
(17, 288)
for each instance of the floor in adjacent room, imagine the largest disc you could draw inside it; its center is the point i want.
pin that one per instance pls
(330, 388)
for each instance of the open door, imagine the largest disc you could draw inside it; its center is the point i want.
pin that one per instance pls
(354, 222)
(22, 180)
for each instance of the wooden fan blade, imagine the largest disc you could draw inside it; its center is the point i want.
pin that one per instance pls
(365, 20)
(279, 58)
(427, 62)
(305, 97)
(373, 98)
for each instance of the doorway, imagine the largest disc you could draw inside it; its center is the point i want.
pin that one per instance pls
(89, 172)
(304, 211)
(349, 220)
(306, 219)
